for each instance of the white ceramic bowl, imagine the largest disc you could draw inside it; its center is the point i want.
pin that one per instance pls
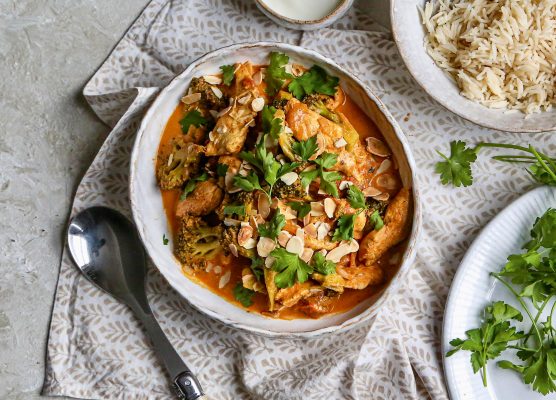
(409, 34)
(149, 216)
(306, 25)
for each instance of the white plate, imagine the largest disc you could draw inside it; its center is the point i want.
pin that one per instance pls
(151, 222)
(473, 288)
(409, 35)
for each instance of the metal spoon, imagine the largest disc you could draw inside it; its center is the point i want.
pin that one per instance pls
(106, 248)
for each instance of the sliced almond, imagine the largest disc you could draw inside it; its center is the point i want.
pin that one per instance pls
(307, 254)
(289, 178)
(258, 78)
(244, 99)
(345, 184)
(307, 219)
(269, 261)
(224, 112)
(317, 209)
(323, 230)
(335, 255)
(231, 222)
(225, 279)
(300, 233)
(382, 197)
(213, 113)
(295, 245)
(384, 166)
(377, 147)
(217, 92)
(250, 244)
(191, 98)
(217, 269)
(311, 230)
(283, 238)
(371, 191)
(387, 181)
(297, 69)
(353, 245)
(245, 233)
(211, 136)
(340, 143)
(263, 205)
(212, 79)
(209, 266)
(329, 207)
(233, 249)
(257, 104)
(265, 246)
(324, 252)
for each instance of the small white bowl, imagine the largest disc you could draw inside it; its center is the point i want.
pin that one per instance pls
(409, 35)
(306, 25)
(151, 222)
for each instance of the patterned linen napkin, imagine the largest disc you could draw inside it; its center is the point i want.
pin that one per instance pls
(97, 349)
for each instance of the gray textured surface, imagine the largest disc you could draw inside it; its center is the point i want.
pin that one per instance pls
(48, 136)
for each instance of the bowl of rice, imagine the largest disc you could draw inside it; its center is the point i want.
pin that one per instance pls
(490, 62)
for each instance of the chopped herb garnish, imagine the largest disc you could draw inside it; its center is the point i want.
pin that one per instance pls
(234, 209)
(221, 169)
(322, 265)
(356, 197)
(344, 228)
(257, 265)
(243, 295)
(194, 118)
(165, 240)
(227, 74)
(191, 184)
(276, 74)
(315, 80)
(271, 125)
(302, 208)
(289, 267)
(327, 160)
(247, 183)
(376, 220)
(272, 228)
(305, 148)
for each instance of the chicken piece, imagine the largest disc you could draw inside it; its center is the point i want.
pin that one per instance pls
(291, 296)
(359, 276)
(332, 281)
(176, 166)
(395, 229)
(243, 79)
(343, 207)
(306, 123)
(317, 304)
(271, 288)
(204, 199)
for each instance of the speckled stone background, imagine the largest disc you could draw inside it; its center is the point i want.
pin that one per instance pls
(48, 137)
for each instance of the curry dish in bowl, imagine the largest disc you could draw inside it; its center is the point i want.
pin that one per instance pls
(282, 195)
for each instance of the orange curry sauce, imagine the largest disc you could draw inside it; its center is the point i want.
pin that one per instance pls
(349, 298)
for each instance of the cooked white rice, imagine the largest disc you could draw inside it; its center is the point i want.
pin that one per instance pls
(502, 53)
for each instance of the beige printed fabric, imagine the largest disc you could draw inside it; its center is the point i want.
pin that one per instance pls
(97, 350)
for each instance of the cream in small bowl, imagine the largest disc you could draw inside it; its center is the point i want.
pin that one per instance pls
(304, 14)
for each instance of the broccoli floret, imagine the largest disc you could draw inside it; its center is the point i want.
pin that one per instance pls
(281, 100)
(229, 238)
(197, 242)
(320, 103)
(175, 167)
(246, 199)
(208, 98)
(286, 140)
(294, 191)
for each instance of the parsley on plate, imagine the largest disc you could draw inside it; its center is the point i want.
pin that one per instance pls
(315, 80)
(276, 74)
(243, 295)
(194, 118)
(228, 72)
(290, 268)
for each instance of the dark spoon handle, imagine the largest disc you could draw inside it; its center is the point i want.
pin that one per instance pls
(186, 385)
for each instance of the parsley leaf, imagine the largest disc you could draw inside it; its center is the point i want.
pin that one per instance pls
(356, 197)
(315, 80)
(247, 183)
(308, 176)
(276, 74)
(344, 228)
(235, 209)
(322, 265)
(456, 169)
(290, 268)
(272, 228)
(221, 169)
(328, 182)
(305, 148)
(257, 265)
(376, 220)
(191, 184)
(271, 125)
(327, 178)
(194, 118)
(243, 295)
(302, 208)
(165, 240)
(228, 72)
(327, 160)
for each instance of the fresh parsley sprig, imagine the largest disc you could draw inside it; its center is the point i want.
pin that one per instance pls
(228, 72)
(315, 80)
(271, 124)
(328, 179)
(194, 118)
(290, 268)
(529, 275)
(191, 184)
(456, 169)
(272, 228)
(243, 295)
(276, 75)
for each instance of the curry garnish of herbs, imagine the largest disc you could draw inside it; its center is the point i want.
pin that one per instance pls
(530, 278)
(281, 193)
